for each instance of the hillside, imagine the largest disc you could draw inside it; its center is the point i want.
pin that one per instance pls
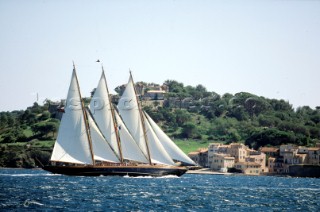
(184, 112)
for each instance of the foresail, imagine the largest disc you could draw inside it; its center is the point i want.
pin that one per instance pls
(129, 111)
(102, 150)
(157, 151)
(130, 149)
(173, 150)
(72, 144)
(101, 111)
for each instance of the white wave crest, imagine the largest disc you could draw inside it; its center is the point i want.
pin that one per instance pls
(152, 177)
(31, 202)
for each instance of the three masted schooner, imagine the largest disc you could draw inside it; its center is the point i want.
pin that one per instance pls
(103, 140)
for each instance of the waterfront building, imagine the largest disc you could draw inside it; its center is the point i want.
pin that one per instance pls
(238, 151)
(270, 151)
(215, 148)
(290, 154)
(275, 165)
(249, 168)
(259, 158)
(200, 157)
(221, 157)
(314, 156)
(221, 162)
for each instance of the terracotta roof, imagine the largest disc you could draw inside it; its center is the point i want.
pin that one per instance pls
(203, 150)
(301, 155)
(193, 153)
(229, 158)
(269, 149)
(313, 148)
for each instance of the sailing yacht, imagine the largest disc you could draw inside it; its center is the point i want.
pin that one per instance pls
(104, 140)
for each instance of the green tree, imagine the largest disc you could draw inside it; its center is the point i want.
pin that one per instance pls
(3, 120)
(182, 116)
(45, 115)
(272, 137)
(174, 86)
(44, 128)
(189, 130)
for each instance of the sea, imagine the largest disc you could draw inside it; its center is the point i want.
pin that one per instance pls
(38, 190)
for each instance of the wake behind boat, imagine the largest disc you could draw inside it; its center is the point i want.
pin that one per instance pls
(100, 140)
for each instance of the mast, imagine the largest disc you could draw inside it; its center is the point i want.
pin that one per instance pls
(85, 117)
(142, 120)
(114, 120)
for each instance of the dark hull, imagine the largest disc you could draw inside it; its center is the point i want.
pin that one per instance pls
(116, 170)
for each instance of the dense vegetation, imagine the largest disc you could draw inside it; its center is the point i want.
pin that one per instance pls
(193, 112)
(187, 113)
(27, 135)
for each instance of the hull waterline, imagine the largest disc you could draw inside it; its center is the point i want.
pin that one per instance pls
(116, 170)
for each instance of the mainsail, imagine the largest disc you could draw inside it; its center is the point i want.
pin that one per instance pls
(173, 150)
(72, 144)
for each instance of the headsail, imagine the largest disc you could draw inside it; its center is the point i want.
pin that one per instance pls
(72, 144)
(157, 151)
(139, 128)
(100, 108)
(130, 149)
(130, 114)
(101, 148)
(173, 150)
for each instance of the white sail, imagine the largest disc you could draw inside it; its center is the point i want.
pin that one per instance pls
(130, 149)
(129, 111)
(101, 111)
(157, 151)
(101, 148)
(72, 144)
(173, 150)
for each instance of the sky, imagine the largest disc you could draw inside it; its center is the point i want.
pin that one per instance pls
(269, 48)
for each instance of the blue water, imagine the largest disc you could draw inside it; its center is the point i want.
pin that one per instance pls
(23, 189)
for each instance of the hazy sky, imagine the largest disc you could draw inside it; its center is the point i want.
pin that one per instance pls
(268, 48)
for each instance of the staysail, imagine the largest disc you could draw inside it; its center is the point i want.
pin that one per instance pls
(72, 144)
(157, 151)
(101, 148)
(130, 149)
(130, 114)
(139, 128)
(107, 118)
(100, 107)
(172, 149)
